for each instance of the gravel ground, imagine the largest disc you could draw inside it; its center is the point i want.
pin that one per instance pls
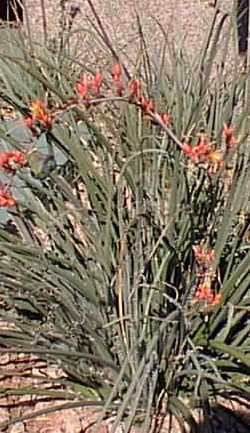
(184, 21)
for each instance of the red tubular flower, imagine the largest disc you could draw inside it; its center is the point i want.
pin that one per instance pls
(6, 199)
(217, 299)
(189, 151)
(38, 110)
(204, 294)
(96, 84)
(4, 161)
(203, 152)
(147, 105)
(135, 89)
(19, 158)
(82, 87)
(40, 114)
(30, 122)
(10, 160)
(117, 79)
(150, 107)
(229, 135)
(203, 256)
(117, 72)
(166, 119)
(203, 149)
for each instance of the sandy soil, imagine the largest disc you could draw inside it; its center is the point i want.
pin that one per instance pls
(184, 21)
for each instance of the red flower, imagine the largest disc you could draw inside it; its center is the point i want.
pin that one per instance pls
(150, 106)
(96, 84)
(30, 122)
(203, 152)
(229, 135)
(204, 294)
(189, 151)
(203, 256)
(6, 199)
(117, 72)
(82, 88)
(135, 89)
(39, 111)
(147, 105)
(87, 85)
(166, 119)
(10, 160)
(39, 114)
(203, 149)
(4, 162)
(117, 79)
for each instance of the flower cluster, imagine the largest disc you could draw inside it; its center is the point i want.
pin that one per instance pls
(6, 198)
(40, 118)
(135, 95)
(203, 256)
(10, 161)
(203, 152)
(135, 90)
(204, 294)
(89, 86)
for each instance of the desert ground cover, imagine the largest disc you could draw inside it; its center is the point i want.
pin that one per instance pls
(184, 21)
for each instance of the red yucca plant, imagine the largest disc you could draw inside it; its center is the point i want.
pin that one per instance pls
(129, 264)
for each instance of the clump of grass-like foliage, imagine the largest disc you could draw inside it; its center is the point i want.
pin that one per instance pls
(125, 257)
